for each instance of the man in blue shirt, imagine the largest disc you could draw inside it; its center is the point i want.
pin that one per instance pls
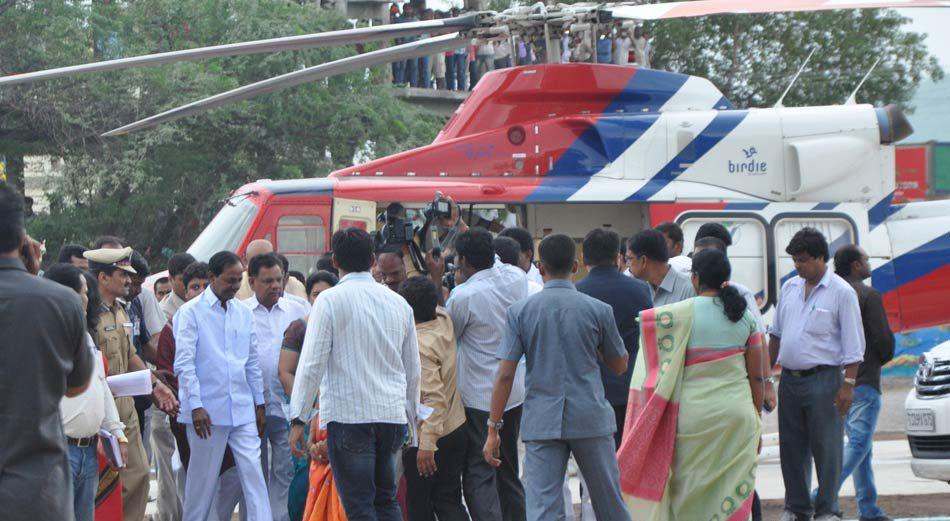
(628, 297)
(221, 390)
(562, 334)
(815, 334)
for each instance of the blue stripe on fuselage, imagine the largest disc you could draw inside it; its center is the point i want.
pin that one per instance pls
(881, 211)
(718, 128)
(604, 142)
(912, 265)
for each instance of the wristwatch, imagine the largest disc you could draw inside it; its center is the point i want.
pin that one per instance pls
(298, 421)
(496, 425)
(850, 381)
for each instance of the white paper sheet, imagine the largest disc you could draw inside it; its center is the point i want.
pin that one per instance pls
(424, 411)
(137, 383)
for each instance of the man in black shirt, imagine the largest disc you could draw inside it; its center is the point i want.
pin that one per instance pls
(43, 356)
(628, 297)
(851, 263)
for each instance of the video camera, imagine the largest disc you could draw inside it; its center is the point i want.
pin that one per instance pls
(396, 230)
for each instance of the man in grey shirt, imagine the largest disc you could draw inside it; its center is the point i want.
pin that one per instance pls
(478, 309)
(562, 333)
(45, 357)
(647, 258)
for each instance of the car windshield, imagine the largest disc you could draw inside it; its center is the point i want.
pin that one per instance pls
(226, 230)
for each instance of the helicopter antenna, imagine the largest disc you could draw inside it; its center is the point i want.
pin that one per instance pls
(852, 100)
(797, 74)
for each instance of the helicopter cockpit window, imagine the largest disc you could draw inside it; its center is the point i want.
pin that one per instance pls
(226, 230)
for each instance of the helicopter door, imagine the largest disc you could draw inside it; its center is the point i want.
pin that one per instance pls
(349, 213)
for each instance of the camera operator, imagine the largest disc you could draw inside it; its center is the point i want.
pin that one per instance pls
(399, 250)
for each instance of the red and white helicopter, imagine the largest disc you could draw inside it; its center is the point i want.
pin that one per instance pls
(569, 147)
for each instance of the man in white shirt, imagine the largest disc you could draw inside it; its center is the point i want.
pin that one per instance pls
(478, 310)
(89, 412)
(221, 390)
(640, 44)
(674, 245)
(83, 417)
(361, 352)
(526, 259)
(817, 338)
(622, 45)
(507, 252)
(272, 314)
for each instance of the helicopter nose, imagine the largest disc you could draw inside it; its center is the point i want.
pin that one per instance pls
(892, 124)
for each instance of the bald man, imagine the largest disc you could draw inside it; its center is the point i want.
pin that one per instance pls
(260, 247)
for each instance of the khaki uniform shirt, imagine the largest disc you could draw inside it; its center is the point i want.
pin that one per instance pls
(438, 354)
(114, 333)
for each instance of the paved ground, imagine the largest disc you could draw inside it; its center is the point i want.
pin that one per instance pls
(903, 496)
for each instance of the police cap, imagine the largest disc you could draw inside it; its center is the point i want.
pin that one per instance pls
(103, 258)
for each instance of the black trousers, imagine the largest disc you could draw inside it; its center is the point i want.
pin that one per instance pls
(620, 413)
(492, 494)
(439, 495)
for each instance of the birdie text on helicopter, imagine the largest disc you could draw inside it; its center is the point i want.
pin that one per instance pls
(569, 147)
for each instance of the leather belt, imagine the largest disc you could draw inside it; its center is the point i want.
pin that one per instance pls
(807, 372)
(83, 442)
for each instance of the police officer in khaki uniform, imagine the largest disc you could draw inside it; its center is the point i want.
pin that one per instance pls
(111, 268)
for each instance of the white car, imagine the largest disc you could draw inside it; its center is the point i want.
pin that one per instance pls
(927, 410)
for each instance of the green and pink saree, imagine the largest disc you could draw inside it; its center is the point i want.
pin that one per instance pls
(690, 442)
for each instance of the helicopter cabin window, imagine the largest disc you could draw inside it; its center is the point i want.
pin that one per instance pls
(393, 218)
(302, 238)
(838, 230)
(748, 254)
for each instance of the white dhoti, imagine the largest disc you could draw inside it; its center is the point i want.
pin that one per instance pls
(205, 463)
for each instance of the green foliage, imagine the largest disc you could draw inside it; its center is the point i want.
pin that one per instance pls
(752, 58)
(157, 188)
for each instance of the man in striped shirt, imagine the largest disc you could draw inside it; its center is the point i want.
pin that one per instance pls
(361, 351)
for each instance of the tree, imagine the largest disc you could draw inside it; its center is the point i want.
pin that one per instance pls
(752, 58)
(157, 188)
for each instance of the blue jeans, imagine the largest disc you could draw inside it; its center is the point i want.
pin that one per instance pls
(425, 73)
(411, 72)
(363, 458)
(461, 66)
(399, 73)
(450, 71)
(862, 418)
(84, 465)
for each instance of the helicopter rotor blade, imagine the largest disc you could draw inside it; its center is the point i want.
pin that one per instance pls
(710, 7)
(310, 74)
(288, 43)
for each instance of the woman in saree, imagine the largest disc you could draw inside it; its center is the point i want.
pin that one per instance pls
(692, 432)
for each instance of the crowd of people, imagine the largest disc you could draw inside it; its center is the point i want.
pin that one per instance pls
(460, 69)
(651, 372)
